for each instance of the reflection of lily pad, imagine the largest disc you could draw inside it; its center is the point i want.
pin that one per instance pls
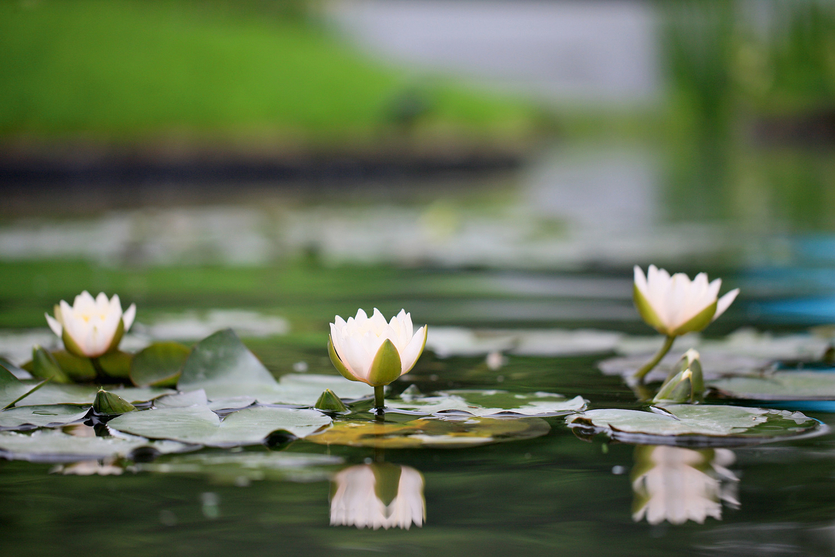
(488, 403)
(688, 424)
(458, 341)
(431, 433)
(50, 445)
(781, 385)
(244, 467)
(199, 425)
(30, 417)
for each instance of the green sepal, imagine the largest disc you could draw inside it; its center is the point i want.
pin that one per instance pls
(337, 363)
(677, 390)
(109, 404)
(329, 402)
(387, 481)
(45, 366)
(697, 323)
(386, 366)
(116, 364)
(647, 313)
(78, 368)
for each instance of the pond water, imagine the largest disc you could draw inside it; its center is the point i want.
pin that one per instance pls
(525, 280)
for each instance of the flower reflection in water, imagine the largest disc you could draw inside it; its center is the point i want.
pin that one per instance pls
(678, 484)
(379, 495)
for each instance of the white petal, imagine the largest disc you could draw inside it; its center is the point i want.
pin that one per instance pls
(54, 325)
(129, 316)
(725, 302)
(641, 282)
(412, 351)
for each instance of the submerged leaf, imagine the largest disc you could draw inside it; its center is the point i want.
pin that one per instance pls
(688, 424)
(430, 433)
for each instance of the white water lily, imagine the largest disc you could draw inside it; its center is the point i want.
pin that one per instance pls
(91, 327)
(675, 305)
(374, 351)
(378, 496)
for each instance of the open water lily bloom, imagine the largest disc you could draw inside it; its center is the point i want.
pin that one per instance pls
(91, 327)
(675, 305)
(374, 351)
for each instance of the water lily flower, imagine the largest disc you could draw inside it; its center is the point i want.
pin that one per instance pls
(379, 495)
(91, 327)
(677, 484)
(374, 351)
(675, 305)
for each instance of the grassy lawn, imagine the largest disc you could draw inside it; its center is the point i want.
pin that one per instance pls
(138, 70)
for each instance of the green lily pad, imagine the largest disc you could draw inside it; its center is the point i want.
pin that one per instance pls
(199, 425)
(116, 364)
(12, 389)
(781, 385)
(76, 367)
(45, 366)
(689, 424)
(438, 433)
(85, 395)
(159, 364)
(30, 417)
(182, 400)
(244, 467)
(53, 445)
(225, 368)
(488, 403)
(109, 404)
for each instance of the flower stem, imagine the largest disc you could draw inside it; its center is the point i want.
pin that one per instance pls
(639, 375)
(379, 396)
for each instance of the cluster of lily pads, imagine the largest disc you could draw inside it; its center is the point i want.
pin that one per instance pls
(169, 397)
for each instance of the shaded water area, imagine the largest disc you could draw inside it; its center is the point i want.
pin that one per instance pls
(525, 279)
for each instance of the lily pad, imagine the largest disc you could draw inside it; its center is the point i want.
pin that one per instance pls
(199, 425)
(488, 403)
(159, 364)
(84, 395)
(438, 433)
(459, 341)
(52, 445)
(695, 425)
(781, 385)
(242, 468)
(225, 368)
(714, 365)
(12, 389)
(31, 417)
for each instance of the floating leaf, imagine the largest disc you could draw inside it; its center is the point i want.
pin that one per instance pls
(84, 395)
(76, 367)
(430, 432)
(459, 341)
(488, 403)
(181, 400)
(247, 466)
(30, 417)
(110, 404)
(159, 364)
(12, 389)
(688, 424)
(780, 385)
(18, 372)
(199, 425)
(714, 365)
(51, 445)
(225, 368)
(45, 366)
(116, 364)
